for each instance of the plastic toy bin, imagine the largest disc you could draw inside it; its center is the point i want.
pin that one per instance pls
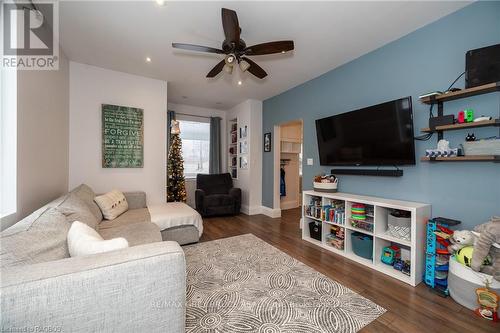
(463, 282)
(315, 230)
(362, 245)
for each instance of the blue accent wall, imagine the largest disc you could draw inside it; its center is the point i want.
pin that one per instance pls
(425, 60)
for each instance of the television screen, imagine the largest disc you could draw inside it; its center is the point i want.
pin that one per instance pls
(377, 135)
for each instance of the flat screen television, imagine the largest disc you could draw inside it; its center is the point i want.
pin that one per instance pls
(376, 135)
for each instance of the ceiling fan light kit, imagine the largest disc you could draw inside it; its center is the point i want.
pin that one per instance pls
(236, 50)
(244, 65)
(228, 69)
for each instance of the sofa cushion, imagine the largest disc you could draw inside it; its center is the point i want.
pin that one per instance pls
(83, 241)
(131, 216)
(87, 195)
(112, 204)
(76, 209)
(218, 200)
(34, 240)
(136, 233)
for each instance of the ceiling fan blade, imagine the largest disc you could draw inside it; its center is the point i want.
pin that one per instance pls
(231, 26)
(217, 69)
(255, 69)
(198, 48)
(270, 48)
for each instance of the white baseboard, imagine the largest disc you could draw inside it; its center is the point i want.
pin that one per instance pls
(289, 204)
(271, 212)
(251, 210)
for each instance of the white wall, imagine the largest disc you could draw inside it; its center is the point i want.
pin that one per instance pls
(42, 138)
(201, 112)
(249, 113)
(89, 88)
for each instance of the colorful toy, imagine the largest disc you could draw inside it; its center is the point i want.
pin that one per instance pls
(398, 264)
(358, 212)
(464, 255)
(390, 254)
(406, 268)
(461, 117)
(488, 304)
(437, 255)
(469, 115)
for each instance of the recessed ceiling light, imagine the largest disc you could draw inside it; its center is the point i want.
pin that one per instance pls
(240, 83)
(148, 59)
(161, 2)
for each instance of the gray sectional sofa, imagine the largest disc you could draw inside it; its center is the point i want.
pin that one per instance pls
(138, 289)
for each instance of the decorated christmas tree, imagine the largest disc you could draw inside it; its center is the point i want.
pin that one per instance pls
(176, 187)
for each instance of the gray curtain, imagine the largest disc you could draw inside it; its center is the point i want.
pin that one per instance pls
(170, 117)
(215, 157)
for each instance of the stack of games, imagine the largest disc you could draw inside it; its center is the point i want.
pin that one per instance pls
(336, 237)
(358, 212)
(334, 212)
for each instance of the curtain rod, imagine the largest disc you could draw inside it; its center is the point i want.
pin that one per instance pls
(193, 115)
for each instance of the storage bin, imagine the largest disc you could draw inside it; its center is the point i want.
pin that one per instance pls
(463, 282)
(362, 245)
(399, 227)
(315, 230)
(482, 147)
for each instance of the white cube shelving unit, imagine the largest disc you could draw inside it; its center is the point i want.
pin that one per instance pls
(414, 248)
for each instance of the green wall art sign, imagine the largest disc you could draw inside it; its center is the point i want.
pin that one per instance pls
(122, 137)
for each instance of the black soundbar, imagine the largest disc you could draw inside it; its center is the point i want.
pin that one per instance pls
(368, 172)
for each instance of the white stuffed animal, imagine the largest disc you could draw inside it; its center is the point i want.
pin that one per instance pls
(460, 239)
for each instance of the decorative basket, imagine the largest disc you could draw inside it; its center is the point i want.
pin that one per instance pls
(325, 187)
(399, 227)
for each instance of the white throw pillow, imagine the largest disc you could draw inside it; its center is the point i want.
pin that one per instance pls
(112, 204)
(83, 240)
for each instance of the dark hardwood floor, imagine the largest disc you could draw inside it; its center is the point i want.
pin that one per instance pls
(408, 309)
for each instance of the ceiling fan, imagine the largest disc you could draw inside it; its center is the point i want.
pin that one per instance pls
(236, 50)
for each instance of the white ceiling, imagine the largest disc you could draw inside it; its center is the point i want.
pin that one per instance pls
(120, 35)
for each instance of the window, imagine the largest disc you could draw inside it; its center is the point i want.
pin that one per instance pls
(195, 136)
(8, 141)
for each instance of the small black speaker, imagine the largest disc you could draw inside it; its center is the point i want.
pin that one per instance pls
(482, 66)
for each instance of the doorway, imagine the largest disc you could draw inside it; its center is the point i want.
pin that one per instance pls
(290, 165)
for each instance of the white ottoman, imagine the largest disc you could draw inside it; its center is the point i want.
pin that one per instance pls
(177, 221)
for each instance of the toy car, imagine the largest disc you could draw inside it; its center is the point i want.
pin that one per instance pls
(398, 264)
(406, 268)
(390, 254)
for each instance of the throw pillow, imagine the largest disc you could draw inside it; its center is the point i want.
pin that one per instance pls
(75, 209)
(83, 240)
(112, 204)
(35, 240)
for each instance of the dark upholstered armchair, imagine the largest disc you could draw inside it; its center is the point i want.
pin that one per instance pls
(215, 195)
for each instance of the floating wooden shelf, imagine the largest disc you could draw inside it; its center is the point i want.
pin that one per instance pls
(479, 90)
(484, 123)
(470, 158)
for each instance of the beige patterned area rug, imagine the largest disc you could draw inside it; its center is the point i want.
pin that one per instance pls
(243, 284)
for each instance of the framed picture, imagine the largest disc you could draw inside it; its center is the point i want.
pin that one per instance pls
(243, 132)
(243, 162)
(243, 147)
(267, 142)
(122, 136)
